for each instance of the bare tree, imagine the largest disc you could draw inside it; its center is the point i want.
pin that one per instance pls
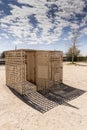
(2, 55)
(75, 36)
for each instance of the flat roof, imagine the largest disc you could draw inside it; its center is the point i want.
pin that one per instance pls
(33, 50)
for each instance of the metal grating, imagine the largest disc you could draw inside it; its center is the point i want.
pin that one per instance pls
(60, 94)
(40, 102)
(64, 93)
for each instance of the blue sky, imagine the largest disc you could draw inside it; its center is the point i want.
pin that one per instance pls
(43, 24)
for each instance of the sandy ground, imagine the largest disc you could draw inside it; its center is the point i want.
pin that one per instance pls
(16, 115)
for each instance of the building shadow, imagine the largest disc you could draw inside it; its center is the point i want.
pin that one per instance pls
(58, 95)
(63, 93)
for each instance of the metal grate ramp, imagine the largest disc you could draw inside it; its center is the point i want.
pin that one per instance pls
(39, 101)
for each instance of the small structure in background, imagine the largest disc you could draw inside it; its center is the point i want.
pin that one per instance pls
(33, 69)
(2, 58)
(2, 61)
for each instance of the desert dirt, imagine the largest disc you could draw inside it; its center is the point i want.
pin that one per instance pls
(17, 115)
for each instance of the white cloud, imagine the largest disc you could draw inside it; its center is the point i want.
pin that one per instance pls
(84, 31)
(0, 2)
(65, 39)
(3, 35)
(74, 26)
(21, 28)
